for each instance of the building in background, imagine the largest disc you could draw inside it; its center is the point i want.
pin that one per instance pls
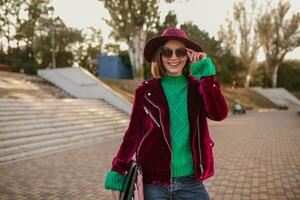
(112, 67)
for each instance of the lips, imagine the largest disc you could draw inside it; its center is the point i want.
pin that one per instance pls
(173, 64)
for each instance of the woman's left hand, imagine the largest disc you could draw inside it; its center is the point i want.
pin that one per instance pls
(195, 56)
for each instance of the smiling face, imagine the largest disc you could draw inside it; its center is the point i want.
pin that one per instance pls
(176, 62)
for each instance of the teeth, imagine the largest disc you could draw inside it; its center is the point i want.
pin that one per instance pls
(174, 64)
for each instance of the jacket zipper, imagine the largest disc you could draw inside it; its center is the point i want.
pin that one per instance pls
(150, 114)
(199, 145)
(163, 134)
(138, 149)
(154, 120)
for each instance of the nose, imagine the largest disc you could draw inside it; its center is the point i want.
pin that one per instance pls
(174, 55)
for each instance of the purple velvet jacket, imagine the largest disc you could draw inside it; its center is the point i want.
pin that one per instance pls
(148, 134)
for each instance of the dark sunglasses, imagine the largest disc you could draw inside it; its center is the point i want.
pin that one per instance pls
(168, 53)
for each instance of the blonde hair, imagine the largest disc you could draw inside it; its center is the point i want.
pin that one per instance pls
(157, 68)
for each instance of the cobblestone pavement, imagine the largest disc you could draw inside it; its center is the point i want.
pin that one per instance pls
(257, 156)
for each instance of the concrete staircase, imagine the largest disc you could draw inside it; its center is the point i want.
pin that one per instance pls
(278, 96)
(37, 118)
(31, 127)
(80, 83)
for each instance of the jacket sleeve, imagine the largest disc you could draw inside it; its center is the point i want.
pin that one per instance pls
(132, 137)
(214, 102)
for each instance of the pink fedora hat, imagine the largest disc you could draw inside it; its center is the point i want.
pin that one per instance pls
(168, 34)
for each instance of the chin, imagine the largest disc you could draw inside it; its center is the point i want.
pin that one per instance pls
(174, 73)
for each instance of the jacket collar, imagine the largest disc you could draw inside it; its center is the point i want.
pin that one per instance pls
(155, 95)
(154, 92)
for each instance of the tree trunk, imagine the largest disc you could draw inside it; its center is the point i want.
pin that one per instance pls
(136, 49)
(274, 76)
(248, 79)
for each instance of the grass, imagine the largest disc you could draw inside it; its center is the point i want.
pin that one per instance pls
(247, 98)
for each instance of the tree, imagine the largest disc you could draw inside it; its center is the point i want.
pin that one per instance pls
(8, 12)
(88, 48)
(244, 44)
(288, 75)
(65, 39)
(131, 20)
(208, 44)
(278, 36)
(225, 62)
(26, 25)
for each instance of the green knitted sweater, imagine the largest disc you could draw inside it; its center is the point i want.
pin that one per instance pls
(175, 88)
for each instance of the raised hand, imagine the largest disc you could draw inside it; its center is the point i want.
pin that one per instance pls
(195, 56)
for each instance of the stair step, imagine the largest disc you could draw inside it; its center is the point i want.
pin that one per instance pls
(53, 110)
(46, 106)
(47, 119)
(51, 139)
(97, 120)
(60, 129)
(59, 114)
(36, 138)
(53, 149)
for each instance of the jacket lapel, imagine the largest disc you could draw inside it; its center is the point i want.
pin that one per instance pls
(193, 104)
(156, 96)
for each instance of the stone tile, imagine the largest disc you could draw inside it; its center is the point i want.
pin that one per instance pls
(256, 157)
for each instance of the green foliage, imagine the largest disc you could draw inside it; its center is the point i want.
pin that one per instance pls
(288, 75)
(127, 17)
(89, 47)
(36, 35)
(238, 37)
(277, 35)
(134, 22)
(259, 76)
(226, 64)
(125, 59)
(208, 44)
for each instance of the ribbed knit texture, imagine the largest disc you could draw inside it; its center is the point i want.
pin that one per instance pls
(114, 181)
(203, 68)
(175, 88)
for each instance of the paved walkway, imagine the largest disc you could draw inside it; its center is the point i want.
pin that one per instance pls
(257, 157)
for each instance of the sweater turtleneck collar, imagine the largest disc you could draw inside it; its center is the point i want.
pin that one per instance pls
(174, 80)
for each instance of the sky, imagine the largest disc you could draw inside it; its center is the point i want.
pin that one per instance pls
(208, 15)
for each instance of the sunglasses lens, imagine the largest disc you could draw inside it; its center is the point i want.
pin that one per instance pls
(180, 52)
(165, 52)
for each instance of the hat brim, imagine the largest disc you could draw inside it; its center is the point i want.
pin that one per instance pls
(154, 43)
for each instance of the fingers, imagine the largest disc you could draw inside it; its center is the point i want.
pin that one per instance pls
(202, 55)
(189, 50)
(114, 195)
(195, 56)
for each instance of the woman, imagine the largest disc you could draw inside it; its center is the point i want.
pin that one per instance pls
(168, 129)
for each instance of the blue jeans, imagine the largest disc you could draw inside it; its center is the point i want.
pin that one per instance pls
(181, 188)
